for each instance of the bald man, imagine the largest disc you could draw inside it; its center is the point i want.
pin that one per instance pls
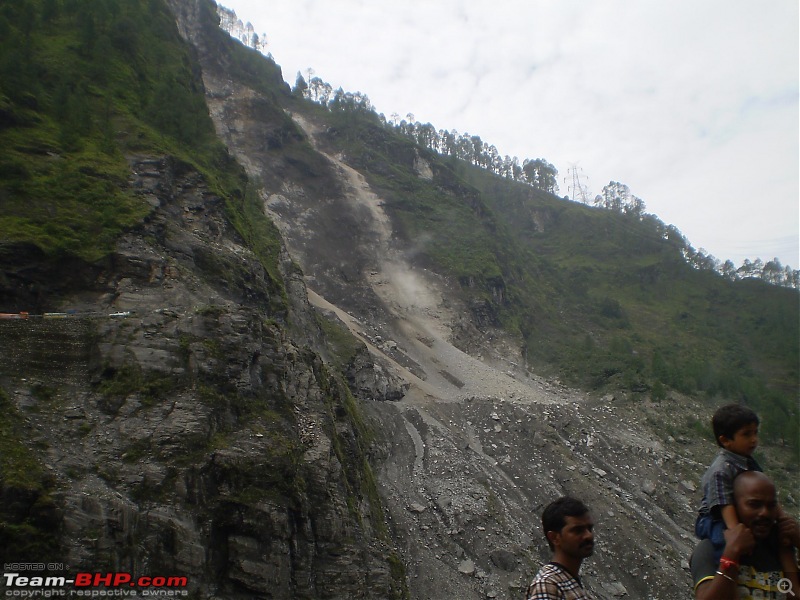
(750, 566)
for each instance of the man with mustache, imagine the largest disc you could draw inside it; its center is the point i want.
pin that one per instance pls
(750, 567)
(569, 530)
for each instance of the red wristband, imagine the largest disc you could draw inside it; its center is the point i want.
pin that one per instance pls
(727, 563)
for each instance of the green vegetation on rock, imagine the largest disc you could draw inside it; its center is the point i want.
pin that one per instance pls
(86, 86)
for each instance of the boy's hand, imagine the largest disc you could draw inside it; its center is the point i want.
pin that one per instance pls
(788, 531)
(739, 541)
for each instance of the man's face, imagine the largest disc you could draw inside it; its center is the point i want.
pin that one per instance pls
(576, 538)
(757, 507)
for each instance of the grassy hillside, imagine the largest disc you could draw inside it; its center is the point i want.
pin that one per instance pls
(632, 313)
(600, 299)
(620, 279)
(85, 84)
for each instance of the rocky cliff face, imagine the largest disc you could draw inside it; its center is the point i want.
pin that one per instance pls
(181, 429)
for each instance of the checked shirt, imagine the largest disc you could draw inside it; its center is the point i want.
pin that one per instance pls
(718, 479)
(553, 582)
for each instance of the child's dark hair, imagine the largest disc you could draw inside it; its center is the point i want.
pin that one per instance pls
(555, 513)
(731, 418)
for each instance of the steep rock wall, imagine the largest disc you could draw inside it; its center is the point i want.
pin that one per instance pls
(177, 426)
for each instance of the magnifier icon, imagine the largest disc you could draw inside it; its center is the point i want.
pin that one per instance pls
(785, 587)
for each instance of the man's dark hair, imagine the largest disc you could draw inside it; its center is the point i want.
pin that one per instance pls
(731, 418)
(555, 514)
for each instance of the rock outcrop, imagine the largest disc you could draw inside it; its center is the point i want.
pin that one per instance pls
(182, 427)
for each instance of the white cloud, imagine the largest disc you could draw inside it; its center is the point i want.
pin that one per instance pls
(693, 104)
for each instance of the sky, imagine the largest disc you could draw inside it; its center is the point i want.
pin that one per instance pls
(693, 104)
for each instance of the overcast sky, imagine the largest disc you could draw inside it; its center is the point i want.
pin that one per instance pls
(691, 103)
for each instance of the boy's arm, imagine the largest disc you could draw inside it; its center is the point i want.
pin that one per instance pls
(728, 514)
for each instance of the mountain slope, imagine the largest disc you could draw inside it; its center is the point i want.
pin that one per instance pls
(221, 428)
(469, 450)
(163, 412)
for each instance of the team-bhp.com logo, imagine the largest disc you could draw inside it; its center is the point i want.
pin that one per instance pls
(115, 584)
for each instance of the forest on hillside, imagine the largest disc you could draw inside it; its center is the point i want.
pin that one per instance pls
(536, 172)
(539, 174)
